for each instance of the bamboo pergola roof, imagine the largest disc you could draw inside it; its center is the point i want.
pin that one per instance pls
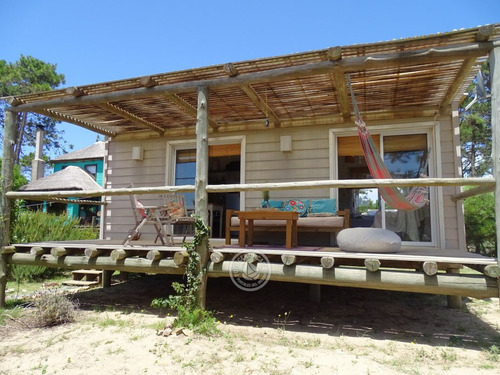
(406, 78)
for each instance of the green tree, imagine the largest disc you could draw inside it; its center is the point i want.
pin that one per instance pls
(25, 76)
(476, 141)
(475, 131)
(480, 224)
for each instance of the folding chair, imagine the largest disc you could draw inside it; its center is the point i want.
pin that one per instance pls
(155, 215)
(175, 207)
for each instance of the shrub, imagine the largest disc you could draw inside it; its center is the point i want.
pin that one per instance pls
(480, 231)
(52, 309)
(36, 226)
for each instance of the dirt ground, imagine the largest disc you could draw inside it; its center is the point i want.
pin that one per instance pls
(276, 330)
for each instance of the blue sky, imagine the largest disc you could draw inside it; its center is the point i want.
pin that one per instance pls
(102, 40)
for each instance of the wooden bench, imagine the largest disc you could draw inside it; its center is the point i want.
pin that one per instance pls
(328, 224)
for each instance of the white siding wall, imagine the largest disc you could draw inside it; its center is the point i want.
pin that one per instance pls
(308, 160)
(122, 171)
(454, 232)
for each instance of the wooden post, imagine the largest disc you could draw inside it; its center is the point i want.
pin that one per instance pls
(454, 301)
(495, 126)
(106, 278)
(201, 182)
(315, 293)
(9, 137)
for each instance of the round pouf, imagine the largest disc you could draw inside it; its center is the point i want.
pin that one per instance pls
(369, 240)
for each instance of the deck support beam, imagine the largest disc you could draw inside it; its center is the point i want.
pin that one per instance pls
(201, 195)
(476, 286)
(9, 140)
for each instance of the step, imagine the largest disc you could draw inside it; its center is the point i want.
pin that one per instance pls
(88, 272)
(80, 283)
(87, 275)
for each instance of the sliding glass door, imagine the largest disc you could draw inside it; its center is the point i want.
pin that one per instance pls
(405, 156)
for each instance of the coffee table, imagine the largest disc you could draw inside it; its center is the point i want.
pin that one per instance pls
(249, 216)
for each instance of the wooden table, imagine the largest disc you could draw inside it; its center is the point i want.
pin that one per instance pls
(291, 224)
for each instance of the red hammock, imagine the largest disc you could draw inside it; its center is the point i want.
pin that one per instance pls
(418, 195)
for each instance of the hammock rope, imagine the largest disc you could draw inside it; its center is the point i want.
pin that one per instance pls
(416, 198)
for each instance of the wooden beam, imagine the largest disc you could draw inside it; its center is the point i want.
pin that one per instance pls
(254, 97)
(261, 104)
(458, 82)
(334, 53)
(75, 92)
(320, 184)
(201, 195)
(163, 266)
(473, 192)
(147, 81)
(231, 70)
(342, 95)
(485, 33)
(350, 64)
(477, 286)
(117, 110)
(188, 108)
(65, 118)
(495, 126)
(6, 182)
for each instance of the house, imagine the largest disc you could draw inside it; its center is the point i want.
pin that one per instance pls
(80, 170)
(91, 160)
(286, 124)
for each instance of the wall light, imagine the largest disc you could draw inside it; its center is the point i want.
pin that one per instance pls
(286, 143)
(137, 153)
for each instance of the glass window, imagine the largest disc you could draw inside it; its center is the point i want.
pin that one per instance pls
(405, 156)
(91, 169)
(185, 173)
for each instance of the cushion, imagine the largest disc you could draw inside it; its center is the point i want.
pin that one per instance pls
(273, 204)
(175, 209)
(369, 240)
(324, 205)
(297, 205)
(320, 214)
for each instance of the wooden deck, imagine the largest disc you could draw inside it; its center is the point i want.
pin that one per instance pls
(413, 269)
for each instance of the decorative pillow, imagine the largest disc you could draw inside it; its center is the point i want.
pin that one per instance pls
(175, 209)
(369, 240)
(296, 205)
(324, 205)
(140, 207)
(273, 204)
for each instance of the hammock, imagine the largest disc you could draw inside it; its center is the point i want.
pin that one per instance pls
(416, 198)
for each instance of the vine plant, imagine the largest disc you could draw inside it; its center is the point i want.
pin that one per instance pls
(189, 314)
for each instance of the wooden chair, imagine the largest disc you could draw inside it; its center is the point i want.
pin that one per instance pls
(175, 207)
(155, 215)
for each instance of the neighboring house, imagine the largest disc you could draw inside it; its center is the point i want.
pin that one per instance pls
(290, 119)
(70, 178)
(91, 160)
(78, 170)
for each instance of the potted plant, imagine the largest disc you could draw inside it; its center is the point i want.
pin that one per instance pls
(265, 199)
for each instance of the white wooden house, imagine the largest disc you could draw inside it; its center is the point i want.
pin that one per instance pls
(289, 120)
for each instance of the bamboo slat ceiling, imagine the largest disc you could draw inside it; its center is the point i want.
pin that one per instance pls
(402, 78)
